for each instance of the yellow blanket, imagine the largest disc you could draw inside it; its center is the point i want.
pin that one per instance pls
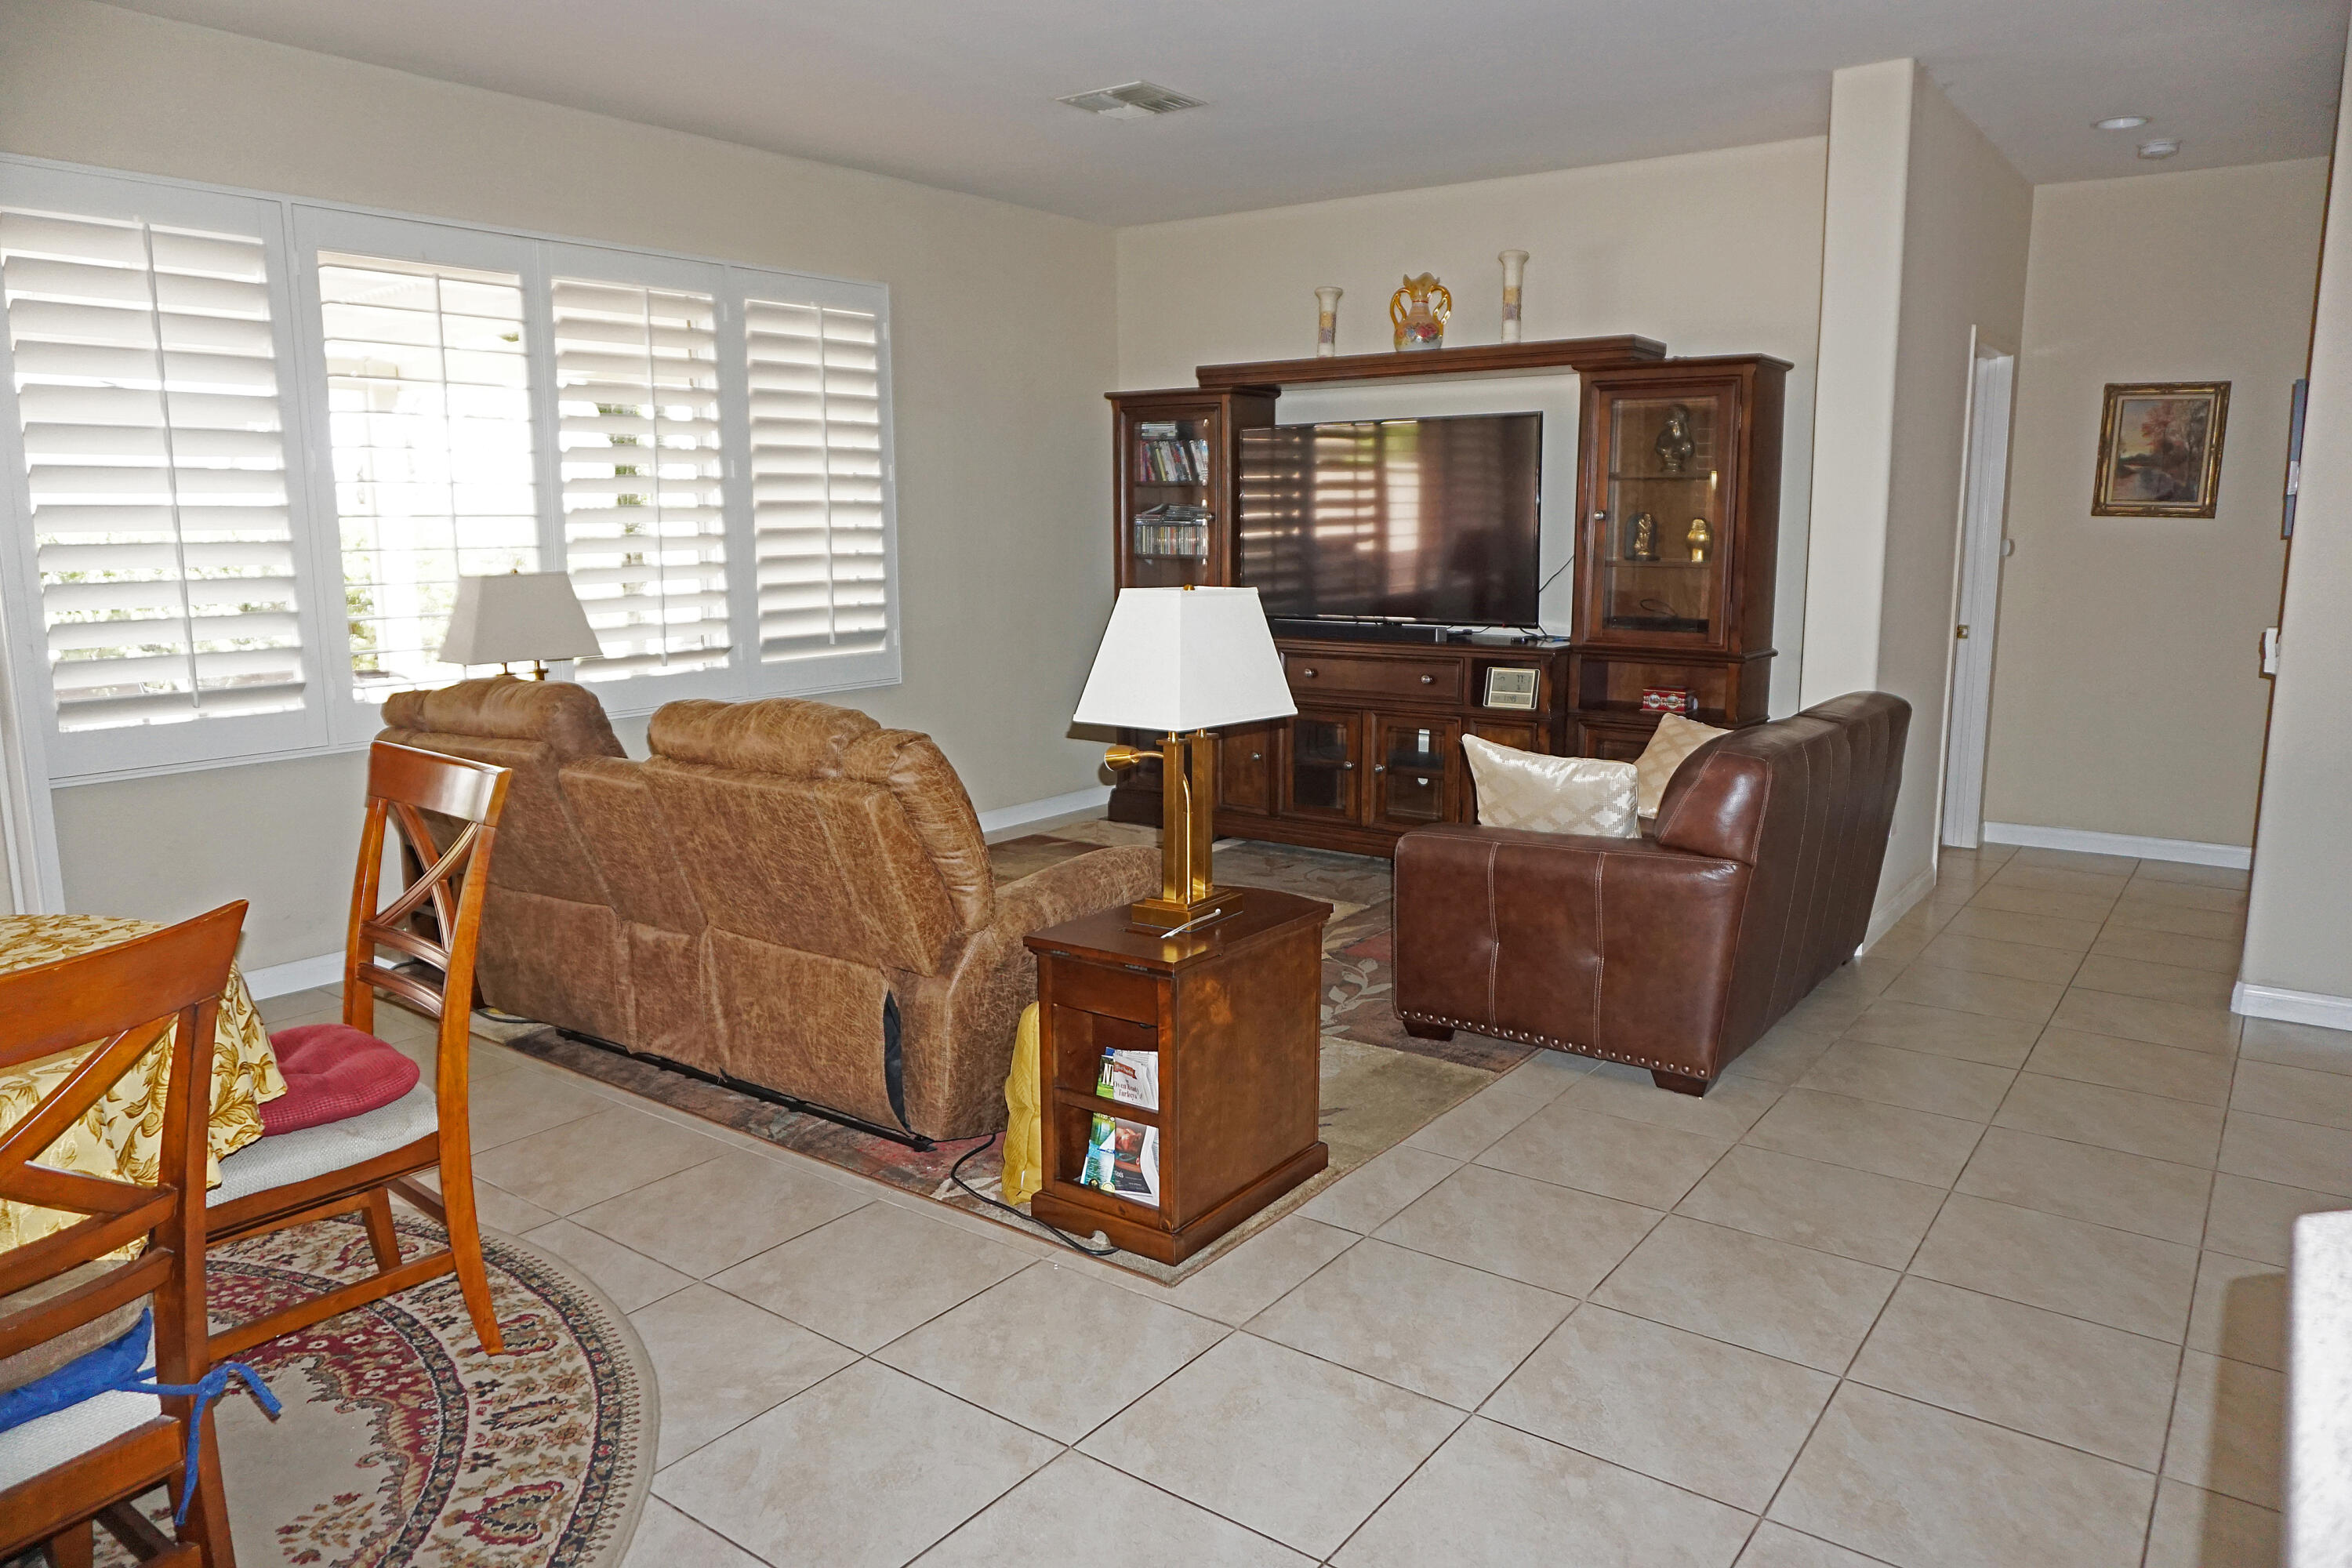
(1024, 1170)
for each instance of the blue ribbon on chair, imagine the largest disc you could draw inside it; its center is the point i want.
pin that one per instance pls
(205, 1391)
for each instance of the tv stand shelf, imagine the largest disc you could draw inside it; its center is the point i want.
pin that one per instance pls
(1376, 748)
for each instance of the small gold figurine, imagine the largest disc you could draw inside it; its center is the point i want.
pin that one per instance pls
(1645, 543)
(1419, 324)
(1699, 537)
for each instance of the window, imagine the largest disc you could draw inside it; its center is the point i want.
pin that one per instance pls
(428, 410)
(645, 535)
(816, 478)
(257, 441)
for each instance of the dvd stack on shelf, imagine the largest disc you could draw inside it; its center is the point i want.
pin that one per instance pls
(1173, 529)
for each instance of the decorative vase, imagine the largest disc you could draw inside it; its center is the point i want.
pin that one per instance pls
(1419, 310)
(1326, 321)
(1515, 270)
(1699, 537)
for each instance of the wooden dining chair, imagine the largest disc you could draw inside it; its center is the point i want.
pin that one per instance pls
(355, 1164)
(88, 1459)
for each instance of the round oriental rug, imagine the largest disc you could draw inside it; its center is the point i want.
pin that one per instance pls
(402, 1443)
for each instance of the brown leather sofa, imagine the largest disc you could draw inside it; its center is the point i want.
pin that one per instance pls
(785, 895)
(1675, 950)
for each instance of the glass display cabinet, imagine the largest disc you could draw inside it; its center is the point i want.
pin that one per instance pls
(1174, 456)
(1678, 485)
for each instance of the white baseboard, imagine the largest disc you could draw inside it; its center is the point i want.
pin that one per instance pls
(301, 974)
(2192, 851)
(1029, 813)
(2287, 1006)
(1904, 900)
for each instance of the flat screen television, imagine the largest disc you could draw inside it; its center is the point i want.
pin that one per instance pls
(1406, 520)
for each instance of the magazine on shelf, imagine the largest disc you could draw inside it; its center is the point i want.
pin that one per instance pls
(1131, 1078)
(1123, 1160)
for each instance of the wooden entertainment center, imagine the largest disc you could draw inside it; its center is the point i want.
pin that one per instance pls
(1677, 499)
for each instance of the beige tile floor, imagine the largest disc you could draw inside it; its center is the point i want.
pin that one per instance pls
(1978, 1259)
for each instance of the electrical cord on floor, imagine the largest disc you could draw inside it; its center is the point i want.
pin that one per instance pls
(955, 1175)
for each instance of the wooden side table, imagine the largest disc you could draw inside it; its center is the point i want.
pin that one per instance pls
(1234, 1016)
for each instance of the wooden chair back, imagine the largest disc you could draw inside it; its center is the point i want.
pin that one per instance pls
(438, 918)
(161, 991)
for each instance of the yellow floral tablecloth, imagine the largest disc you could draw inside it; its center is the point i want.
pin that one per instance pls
(119, 1135)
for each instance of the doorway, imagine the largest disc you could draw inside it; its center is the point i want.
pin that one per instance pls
(1976, 598)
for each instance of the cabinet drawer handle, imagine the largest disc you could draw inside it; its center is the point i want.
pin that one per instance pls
(1257, 756)
(1429, 680)
(1347, 767)
(1309, 674)
(1379, 767)
(1423, 783)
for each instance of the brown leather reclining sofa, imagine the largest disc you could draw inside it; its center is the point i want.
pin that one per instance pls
(1675, 950)
(785, 894)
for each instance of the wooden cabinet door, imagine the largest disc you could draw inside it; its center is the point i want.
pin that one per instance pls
(1663, 489)
(1245, 768)
(1322, 766)
(1413, 770)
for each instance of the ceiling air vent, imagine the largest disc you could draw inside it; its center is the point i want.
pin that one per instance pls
(1131, 101)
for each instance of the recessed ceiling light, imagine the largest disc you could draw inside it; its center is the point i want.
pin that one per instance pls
(2162, 147)
(1131, 101)
(2121, 122)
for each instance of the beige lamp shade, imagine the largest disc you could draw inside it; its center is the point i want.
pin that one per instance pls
(518, 617)
(1178, 659)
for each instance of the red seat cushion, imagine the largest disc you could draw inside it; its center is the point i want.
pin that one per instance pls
(332, 1072)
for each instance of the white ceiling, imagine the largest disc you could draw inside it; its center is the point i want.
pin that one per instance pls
(1314, 98)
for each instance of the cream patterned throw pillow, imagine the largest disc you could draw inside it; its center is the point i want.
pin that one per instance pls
(1677, 738)
(1551, 795)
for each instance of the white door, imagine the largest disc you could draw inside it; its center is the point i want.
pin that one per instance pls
(1983, 507)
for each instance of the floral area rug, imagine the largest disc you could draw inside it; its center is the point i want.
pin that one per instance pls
(402, 1443)
(1379, 1085)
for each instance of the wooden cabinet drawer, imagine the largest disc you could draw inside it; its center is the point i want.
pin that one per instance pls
(1091, 987)
(1321, 676)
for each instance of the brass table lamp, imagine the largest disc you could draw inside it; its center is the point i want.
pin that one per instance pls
(1184, 661)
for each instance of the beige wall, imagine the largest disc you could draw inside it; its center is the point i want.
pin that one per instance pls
(1711, 253)
(1967, 220)
(2299, 924)
(1002, 348)
(1882, 579)
(2126, 696)
(1869, 166)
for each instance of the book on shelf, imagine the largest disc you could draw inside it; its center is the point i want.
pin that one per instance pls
(1165, 457)
(1123, 1160)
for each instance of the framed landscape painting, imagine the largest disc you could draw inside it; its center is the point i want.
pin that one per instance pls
(2160, 449)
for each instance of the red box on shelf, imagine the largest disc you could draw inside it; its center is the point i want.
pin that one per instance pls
(1668, 700)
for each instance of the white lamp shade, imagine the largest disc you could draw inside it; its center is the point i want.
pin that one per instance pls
(518, 617)
(1175, 660)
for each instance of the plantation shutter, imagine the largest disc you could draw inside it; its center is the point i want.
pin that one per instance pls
(428, 400)
(637, 376)
(817, 482)
(146, 367)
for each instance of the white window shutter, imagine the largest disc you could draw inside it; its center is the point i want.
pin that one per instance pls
(637, 391)
(146, 367)
(818, 484)
(428, 398)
